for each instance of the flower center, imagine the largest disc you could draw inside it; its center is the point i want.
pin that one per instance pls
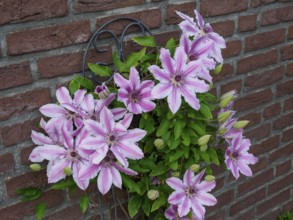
(134, 96)
(192, 57)
(112, 138)
(73, 154)
(190, 191)
(234, 155)
(176, 80)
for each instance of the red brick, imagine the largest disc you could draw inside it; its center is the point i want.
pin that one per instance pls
(272, 214)
(255, 181)
(18, 133)
(257, 61)
(289, 69)
(287, 52)
(103, 5)
(287, 135)
(266, 146)
(256, 3)
(151, 18)
(34, 179)
(284, 121)
(283, 168)
(47, 38)
(70, 63)
(247, 215)
(22, 209)
(162, 39)
(260, 165)
(285, 88)
(233, 49)
(281, 153)
(277, 15)
(288, 206)
(23, 102)
(247, 201)
(288, 104)
(247, 23)
(186, 8)
(290, 32)
(254, 100)
(280, 184)
(7, 163)
(220, 215)
(259, 132)
(15, 75)
(72, 212)
(234, 85)
(265, 78)
(14, 11)
(213, 8)
(273, 202)
(272, 110)
(223, 199)
(253, 117)
(224, 28)
(24, 155)
(264, 39)
(226, 72)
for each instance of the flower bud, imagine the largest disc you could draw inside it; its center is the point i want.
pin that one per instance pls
(209, 178)
(102, 91)
(218, 69)
(153, 194)
(67, 171)
(222, 117)
(194, 167)
(232, 93)
(176, 174)
(159, 143)
(240, 124)
(225, 101)
(204, 139)
(35, 167)
(222, 131)
(203, 148)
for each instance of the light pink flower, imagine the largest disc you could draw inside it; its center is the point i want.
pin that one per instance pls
(171, 213)
(191, 194)
(237, 158)
(178, 79)
(136, 95)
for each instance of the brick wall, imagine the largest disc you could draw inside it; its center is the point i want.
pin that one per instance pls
(41, 47)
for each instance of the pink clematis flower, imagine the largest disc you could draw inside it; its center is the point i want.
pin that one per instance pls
(171, 213)
(109, 174)
(191, 194)
(177, 79)
(109, 135)
(69, 109)
(62, 151)
(136, 95)
(203, 33)
(237, 158)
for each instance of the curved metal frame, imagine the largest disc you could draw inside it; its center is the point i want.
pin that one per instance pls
(119, 46)
(118, 39)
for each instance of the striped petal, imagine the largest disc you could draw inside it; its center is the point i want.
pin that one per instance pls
(94, 127)
(117, 180)
(176, 197)
(197, 208)
(206, 186)
(107, 119)
(88, 172)
(130, 150)
(79, 96)
(56, 171)
(159, 74)
(206, 198)
(134, 78)
(184, 207)
(174, 100)
(180, 58)
(40, 139)
(105, 180)
(175, 183)
(134, 135)
(147, 105)
(63, 96)
(46, 152)
(167, 61)
(53, 110)
(121, 82)
(161, 90)
(187, 178)
(190, 98)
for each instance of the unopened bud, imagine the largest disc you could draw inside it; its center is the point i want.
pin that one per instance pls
(176, 174)
(35, 167)
(222, 131)
(222, 117)
(209, 178)
(218, 69)
(153, 194)
(232, 93)
(240, 124)
(194, 167)
(102, 91)
(67, 171)
(159, 143)
(203, 148)
(211, 85)
(204, 139)
(226, 101)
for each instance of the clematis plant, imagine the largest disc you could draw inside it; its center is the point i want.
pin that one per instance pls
(150, 130)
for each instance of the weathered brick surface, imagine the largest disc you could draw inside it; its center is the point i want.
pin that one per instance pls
(265, 39)
(278, 15)
(272, 110)
(285, 88)
(186, 8)
(290, 32)
(287, 52)
(288, 104)
(284, 121)
(281, 153)
(102, 5)
(14, 11)
(48, 37)
(233, 48)
(72, 212)
(15, 75)
(247, 23)
(7, 163)
(283, 167)
(224, 28)
(212, 8)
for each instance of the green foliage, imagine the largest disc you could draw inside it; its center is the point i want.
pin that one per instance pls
(29, 193)
(133, 205)
(84, 203)
(103, 71)
(80, 82)
(286, 216)
(146, 41)
(40, 210)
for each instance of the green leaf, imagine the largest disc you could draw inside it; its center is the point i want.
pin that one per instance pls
(178, 128)
(159, 216)
(174, 144)
(40, 210)
(130, 184)
(159, 202)
(134, 205)
(198, 128)
(29, 191)
(214, 156)
(204, 155)
(173, 165)
(84, 203)
(186, 138)
(99, 70)
(205, 110)
(159, 170)
(176, 155)
(117, 62)
(133, 59)
(147, 163)
(63, 184)
(147, 41)
(146, 206)
(85, 83)
(163, 128)
(171, 45)
(73, 86)
(35, 196)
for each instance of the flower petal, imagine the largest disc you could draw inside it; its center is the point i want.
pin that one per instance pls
(187, 178)
(79, 96)
(175, 183)
(88, 103)
(190, 98)
(53, 110)
(125, 170)
(184, 207)
(99, 155)
(197, 85)
(198, 177)
(180, 58)
(197, 208)
(134, 135)
(185, 42)
(161, 90)
(130, 150)
(134, 78)
(126, 121)
(121, 82)
(176, 197)
(63, 96)
(174, 100)
(40, 139)
(146, 84)
(147, 105)
(159, 74)
(88, 172)
(118, 113)
(199, 18)
(56, 171)
(105, 180)
(244, 168)
(76, 167)
(67, 137)
(117, 180)
(206, 198)
(115, 150)
(192, 68)
(94, 127)
(107, 119)
(167, 61)
(206, 186)
(46, 152)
